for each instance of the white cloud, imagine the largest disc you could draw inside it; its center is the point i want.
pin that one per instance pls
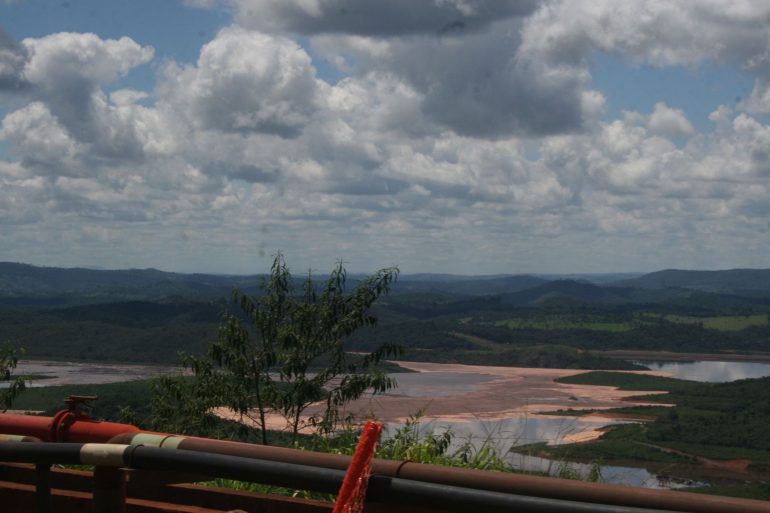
(40, 140)
(670, 123)
(373, 17)
(480, 148)
(245, 82)
(64, 74)
(12, 59)
(68, 58)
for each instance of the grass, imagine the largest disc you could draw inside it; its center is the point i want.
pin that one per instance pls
(618, 446)
(112, 396)
(722, 322)
(641, 411)
(631, 381)
(565, 323)
(408, 443)
(746, 490)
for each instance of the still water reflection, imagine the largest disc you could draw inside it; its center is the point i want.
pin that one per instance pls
(502, 435)
(628, 476)
(711, 372)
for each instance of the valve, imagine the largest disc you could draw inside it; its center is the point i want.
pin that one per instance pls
(80, 405)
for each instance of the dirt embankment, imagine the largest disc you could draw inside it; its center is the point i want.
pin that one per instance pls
(465, 393)
(739, 465)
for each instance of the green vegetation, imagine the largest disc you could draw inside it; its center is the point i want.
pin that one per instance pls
(723, 322)
(9, 358)
(715, 425)
(545, 356)
(614, 446)
(718, 421)
(565, 322)
(98, 316)
(114, 399)
(630, 381)
(135, 331)
(283, 352)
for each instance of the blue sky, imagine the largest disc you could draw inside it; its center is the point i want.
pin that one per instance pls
(696, 91)
(459, 136)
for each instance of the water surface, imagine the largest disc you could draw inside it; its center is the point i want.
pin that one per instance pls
(613, 474)
(711, 371)
(437, 384)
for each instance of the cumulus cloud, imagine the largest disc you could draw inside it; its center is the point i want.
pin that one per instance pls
(477, 84)
(675, 33)
(245, 81)
(39, 139)
(469, 133)
(12, 59)
(64, 75)
(373, 17)
(67, 70)
(670, 123)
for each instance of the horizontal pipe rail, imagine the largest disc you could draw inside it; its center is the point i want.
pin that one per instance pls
(504, 482)
(66, 426)
(381, 488)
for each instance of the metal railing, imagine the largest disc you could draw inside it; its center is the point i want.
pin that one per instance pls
(439, 487)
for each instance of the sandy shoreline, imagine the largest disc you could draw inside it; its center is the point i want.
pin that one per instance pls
(91, 373)
(500, 393)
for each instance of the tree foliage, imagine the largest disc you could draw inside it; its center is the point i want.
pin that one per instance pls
(9, 358)
(283, 350)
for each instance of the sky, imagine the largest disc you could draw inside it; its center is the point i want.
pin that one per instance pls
(452, 136)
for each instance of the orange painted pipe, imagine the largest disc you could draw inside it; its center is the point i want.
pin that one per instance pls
(65, 426)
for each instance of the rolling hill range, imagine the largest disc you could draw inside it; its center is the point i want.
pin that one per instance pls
(150, 315)
(60, 286)
(731, 281)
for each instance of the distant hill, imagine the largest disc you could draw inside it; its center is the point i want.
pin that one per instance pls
(735, 281)
(28, 283)
(24, 284)
(564, 292)
(466, 285)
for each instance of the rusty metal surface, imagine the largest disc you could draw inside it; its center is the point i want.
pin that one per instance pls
(486, 480)
(65, 426)
(72, 493)
(86, 430)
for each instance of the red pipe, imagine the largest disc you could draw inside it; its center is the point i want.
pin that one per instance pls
(69, 425)
(63, 427)
(72, 425)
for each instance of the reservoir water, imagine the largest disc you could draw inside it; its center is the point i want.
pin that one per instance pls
(613, 474)
(502, 435)
(710, 371)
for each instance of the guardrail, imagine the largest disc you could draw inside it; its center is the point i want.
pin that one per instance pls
(381, 489)
(401, 482)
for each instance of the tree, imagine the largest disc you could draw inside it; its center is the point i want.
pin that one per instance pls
(9, 358)
(284, 350)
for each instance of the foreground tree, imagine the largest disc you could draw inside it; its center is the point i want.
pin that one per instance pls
(284, 351)
(9, 358)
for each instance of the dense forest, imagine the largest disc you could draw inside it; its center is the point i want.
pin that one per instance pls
(149, 316)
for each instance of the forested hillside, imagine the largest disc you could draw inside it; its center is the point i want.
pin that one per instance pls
(149, 316)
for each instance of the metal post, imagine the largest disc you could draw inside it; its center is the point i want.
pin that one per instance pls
(109, 490)
(43, 488)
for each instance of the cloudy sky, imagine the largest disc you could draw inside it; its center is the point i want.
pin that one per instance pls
(462, 136)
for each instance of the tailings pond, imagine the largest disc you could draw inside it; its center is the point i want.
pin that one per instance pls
(710, 371)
